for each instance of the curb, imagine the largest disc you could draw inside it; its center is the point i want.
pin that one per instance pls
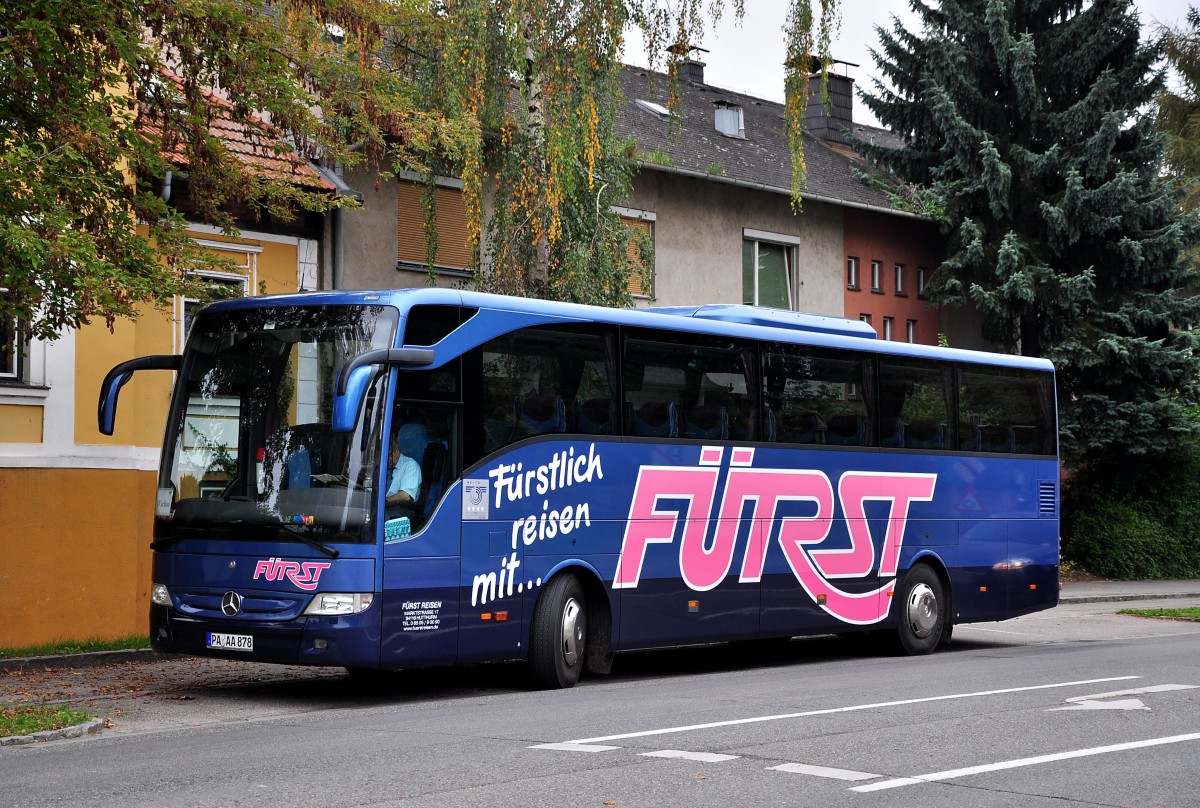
(1119, 598)
(90, 727)
(79, 660)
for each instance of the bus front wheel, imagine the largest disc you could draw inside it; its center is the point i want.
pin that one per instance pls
(922, 618)
(558, 634)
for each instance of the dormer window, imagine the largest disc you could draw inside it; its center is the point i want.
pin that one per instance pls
(729, 120)
(657, 110)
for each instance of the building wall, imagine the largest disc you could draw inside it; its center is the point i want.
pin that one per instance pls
(76, 507)
(698, 231)
(891, 239)
(369, 234)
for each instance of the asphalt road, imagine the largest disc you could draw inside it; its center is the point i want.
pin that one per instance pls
(1076, 706)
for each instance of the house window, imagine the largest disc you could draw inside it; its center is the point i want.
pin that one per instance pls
(900, 292)
(887, 327)
(877, 276)
(866, 318)
(769, 269)
(221, 286)
(852, 273)
(921, 273)
(640, 285)
(910, 331)
(729, 120)
(454, 252)
(12, 344)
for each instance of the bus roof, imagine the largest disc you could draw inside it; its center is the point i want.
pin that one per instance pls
(750, 322)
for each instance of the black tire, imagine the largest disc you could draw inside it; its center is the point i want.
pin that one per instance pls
(921, 618)
(558, 634)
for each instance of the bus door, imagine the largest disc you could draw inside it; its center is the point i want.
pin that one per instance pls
(422, 533)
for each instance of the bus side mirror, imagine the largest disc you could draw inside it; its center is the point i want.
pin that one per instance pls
(349, 396)
(106, 411)
(355, 376)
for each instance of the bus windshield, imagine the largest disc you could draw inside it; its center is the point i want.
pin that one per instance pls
(249, 450)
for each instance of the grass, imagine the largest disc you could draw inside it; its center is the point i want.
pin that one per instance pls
(76, 647)
(1190, 613)
(26, 719)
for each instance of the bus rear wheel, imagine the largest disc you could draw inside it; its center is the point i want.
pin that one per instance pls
(558, 634)
(922, 618)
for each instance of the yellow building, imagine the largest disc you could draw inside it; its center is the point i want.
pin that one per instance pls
(76, 507)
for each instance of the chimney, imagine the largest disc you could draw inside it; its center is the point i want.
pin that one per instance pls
(829, 124)
(692, 70)
(690, 67)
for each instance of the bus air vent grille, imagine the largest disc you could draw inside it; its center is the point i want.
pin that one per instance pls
(1047, 497)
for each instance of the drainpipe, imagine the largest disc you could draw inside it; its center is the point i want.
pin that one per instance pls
(339, 252)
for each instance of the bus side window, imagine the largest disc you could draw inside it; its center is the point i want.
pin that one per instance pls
(1004, 411)
(687, 386)
(541, 381)
(816, 396)
(913, 409)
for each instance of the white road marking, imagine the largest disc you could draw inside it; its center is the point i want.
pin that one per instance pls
(575, 747)
(993, 630)
(703, 757)
(823, 771)
(830, 711)
(1100, 700)
(1030, 761)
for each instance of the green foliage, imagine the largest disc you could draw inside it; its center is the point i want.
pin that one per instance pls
(93, 125)
(76, 647)
(1190, 614)
(23, 719)
(1027, 124)
(1136, 519)
(1179, 111)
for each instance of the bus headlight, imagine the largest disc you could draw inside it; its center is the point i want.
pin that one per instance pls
(160, 595)
(340, 603)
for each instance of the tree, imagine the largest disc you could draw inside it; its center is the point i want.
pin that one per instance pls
(89, 114)
(1179, 112)
(1025, 121)
(519, 93)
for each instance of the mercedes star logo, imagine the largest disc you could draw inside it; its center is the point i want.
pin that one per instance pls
(231, 604)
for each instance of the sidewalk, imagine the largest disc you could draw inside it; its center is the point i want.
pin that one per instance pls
(1105, 591)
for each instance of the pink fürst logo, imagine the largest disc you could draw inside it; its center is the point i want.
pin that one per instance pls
(304, 575)
(705, 561)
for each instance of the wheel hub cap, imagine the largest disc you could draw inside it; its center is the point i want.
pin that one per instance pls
(572, 631)
(922, 610)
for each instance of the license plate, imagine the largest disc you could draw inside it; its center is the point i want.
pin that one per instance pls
(230, 642)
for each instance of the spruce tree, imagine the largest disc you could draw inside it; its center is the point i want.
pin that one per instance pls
(1027, 122)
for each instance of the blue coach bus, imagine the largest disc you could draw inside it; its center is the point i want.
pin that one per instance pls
(583, 481)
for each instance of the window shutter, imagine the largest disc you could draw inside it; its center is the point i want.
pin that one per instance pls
(454, 244)
(635, 286)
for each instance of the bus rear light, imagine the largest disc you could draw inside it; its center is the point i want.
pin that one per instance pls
(1032, 587)
(160, 595)
(328, 603)
(983, 589)
(485, 616)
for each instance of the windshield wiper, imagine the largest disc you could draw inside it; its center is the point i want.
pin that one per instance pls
(305, 538)
(165, 541)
